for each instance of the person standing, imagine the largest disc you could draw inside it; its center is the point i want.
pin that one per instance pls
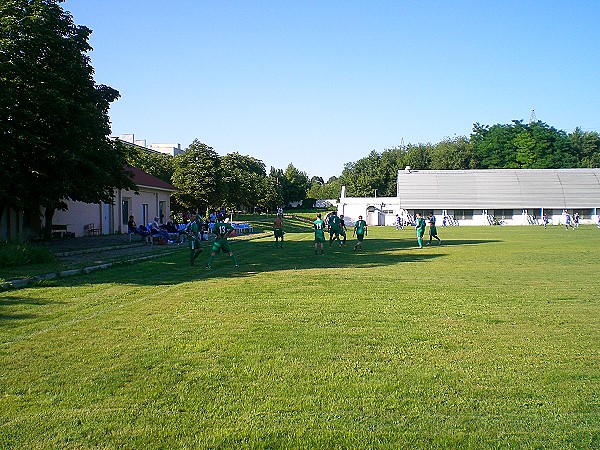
(319, 226)
(433, 233)
(360, 231)
(334, 228)
(399, 224)
(194, 231)
(568, 222)
(222, 230)
(420, 229)
(342, 230)
(278, 230)
(545, 220)
(576, 220)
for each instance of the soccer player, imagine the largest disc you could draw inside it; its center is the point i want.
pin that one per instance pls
(568, 220)
(278, 230)
(194, 229)
(420, 228)
(342, 230)
(399, 224)
(433, 233)
(334, 228)
(360, 231)
(222, 230)
(319, 226)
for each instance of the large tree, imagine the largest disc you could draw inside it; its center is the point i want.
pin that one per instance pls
(243, 181)
(54, 121)
(296, 185)
(197, 175)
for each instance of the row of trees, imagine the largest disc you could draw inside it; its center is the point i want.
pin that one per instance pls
(517, 145)
(234, 181)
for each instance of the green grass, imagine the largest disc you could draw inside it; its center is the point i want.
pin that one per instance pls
(491, 340)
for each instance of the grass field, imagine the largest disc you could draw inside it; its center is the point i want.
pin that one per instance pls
(491, 340)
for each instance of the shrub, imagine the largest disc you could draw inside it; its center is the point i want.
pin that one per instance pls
(14, 254)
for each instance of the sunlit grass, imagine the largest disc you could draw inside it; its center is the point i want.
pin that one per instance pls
(489, 340)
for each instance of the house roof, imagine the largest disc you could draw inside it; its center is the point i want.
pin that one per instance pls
(499, 188)
(143, 179)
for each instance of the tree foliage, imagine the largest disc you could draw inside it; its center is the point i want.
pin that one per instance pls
(157, 164)
(243, 181)
(502, 146)
(197, 176)
(53, 117)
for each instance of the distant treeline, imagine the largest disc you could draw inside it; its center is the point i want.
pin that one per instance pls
(534, 145)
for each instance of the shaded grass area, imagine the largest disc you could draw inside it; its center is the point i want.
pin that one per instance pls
(490, 340)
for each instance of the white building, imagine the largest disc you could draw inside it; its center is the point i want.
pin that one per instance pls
(153, 199)
(168, 149)
(482, 197)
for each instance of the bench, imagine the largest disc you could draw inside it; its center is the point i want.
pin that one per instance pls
(60, 231)
(91, 230)
(242, 228)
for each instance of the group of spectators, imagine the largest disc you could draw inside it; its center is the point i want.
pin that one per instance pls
(172, 230)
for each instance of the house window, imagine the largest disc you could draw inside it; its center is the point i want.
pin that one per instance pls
(161, 211)
(145, 217)
(125, 211)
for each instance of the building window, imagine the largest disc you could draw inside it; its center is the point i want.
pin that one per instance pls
(161, 211)
(584, 213)
(145, 218)
(125, 211)
(503, 214)
(463, 214)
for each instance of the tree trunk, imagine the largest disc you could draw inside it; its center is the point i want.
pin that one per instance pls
(48, 215)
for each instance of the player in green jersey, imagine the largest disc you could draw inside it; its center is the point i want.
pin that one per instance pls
(334, 228)
(194, 229)
(222, 231)
(360, 231)
(319, 226)
(433, 233)
(420, 228)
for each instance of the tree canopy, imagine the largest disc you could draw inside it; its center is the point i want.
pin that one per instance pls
(54, 120)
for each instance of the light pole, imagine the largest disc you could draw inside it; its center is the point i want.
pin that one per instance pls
(375, 193)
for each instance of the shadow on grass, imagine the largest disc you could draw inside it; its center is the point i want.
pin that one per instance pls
(261, 256)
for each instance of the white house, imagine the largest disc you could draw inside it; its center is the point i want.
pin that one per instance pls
(152, 200)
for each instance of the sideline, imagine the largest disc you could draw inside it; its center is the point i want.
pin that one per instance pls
(20, 283)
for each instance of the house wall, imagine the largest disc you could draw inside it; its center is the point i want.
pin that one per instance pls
(112, 219)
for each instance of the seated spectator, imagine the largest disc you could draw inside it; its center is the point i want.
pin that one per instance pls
(133, 228)
(155, 229)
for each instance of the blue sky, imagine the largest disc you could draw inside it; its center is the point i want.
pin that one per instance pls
(322, 83)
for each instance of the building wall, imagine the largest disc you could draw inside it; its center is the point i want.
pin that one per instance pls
(107, 218)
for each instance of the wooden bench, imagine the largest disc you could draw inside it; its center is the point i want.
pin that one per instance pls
(60, 231)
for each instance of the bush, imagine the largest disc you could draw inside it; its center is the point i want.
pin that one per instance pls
(14, 254)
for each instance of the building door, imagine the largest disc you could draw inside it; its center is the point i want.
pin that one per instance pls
(106, 210)
(372, 216)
